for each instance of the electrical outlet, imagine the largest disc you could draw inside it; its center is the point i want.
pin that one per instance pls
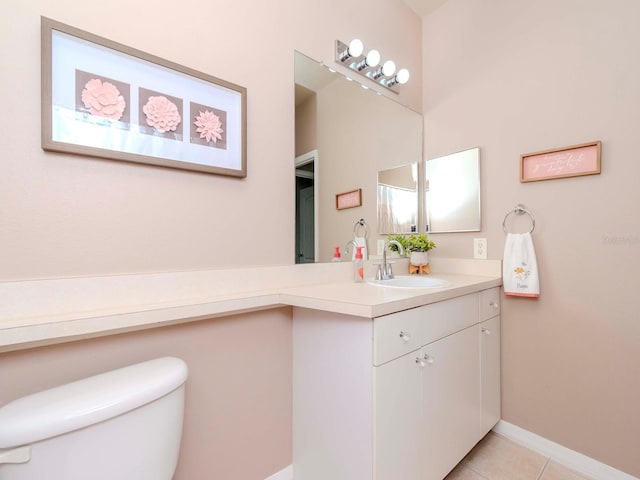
(480, 248)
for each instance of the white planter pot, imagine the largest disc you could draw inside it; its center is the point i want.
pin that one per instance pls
(419, 258)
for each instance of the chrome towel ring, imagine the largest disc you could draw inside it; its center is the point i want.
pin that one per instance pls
(360, 224)
(519, 210)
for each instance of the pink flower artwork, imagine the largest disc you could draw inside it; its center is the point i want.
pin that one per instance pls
(209, 126)
(103, 99)
(162, 114)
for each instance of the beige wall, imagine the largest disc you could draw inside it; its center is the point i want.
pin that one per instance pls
(64, 215)
(237, 422)
(513, 77)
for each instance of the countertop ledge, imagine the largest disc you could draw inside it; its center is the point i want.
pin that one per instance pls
(74, 313)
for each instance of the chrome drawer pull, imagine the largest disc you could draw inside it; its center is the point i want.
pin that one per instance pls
(405, 336)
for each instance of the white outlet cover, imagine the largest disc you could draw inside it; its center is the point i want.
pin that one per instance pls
(480, 248)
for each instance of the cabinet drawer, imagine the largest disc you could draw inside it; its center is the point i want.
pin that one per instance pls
(400, 333)
(397, 334)
(489, 303)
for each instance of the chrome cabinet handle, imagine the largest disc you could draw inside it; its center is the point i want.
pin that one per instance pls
(486, 331)
(429, 358)
(420, 362)
(494, 304)
(405, 336)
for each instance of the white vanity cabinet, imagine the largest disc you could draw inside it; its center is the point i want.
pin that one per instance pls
(399, 397)
(445, 420)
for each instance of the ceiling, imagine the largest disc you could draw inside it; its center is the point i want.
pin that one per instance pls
(424, 7)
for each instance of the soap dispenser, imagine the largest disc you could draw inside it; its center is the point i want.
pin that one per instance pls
(336, 255)
(358, 265)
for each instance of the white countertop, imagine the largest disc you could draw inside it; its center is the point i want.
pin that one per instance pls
(41, 312)
(370, 301)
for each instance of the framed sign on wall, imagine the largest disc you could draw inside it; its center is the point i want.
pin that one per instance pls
(573, 161)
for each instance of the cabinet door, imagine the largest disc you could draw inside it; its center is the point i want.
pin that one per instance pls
(451, 402)
(489, 303)
(397, 406)
(490, 372)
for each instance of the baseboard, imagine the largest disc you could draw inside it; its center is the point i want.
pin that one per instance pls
(563, 455)
(284, 474)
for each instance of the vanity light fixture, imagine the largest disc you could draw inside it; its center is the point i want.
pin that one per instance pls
(351, 56)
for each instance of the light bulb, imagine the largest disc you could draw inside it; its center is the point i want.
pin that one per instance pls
(356, 47)
(399, 78)
(388, 68)
(403, 76)
(373, 58)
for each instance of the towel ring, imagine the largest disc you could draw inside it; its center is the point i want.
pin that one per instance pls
(360, 224)
(519, 210)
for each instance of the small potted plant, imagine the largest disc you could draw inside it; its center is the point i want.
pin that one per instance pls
(419, 245)
(415, 246)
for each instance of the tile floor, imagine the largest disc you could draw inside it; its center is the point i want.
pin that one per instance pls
(497, 458)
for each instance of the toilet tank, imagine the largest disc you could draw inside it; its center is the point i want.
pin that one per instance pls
(123, 424)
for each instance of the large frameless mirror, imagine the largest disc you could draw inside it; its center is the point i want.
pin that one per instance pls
(345, 135)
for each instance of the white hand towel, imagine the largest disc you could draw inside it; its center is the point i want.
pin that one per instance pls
(519, 266)
(360, 242)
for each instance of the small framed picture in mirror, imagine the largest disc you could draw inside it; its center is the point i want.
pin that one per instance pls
(350, 199)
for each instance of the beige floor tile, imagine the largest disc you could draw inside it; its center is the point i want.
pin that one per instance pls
(497, 458)
(555, 471)
(463, 473)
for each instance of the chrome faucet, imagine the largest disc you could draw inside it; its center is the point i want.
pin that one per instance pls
(346, 247)
(385, 272)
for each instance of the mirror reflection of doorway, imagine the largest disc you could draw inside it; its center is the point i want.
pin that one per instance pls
(305, 208)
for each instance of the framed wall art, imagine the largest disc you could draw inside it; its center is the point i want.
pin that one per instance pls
(104, 99)
(349, 199)
(573, 161)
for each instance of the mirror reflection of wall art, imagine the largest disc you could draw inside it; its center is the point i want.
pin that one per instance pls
(104, 99)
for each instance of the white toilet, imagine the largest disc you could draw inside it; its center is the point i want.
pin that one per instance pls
(125, 424)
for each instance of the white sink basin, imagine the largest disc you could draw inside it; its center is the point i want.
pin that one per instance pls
(410, 281)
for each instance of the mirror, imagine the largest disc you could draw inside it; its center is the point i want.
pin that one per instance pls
(345, 134)
(452, 192)
(398, 199)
